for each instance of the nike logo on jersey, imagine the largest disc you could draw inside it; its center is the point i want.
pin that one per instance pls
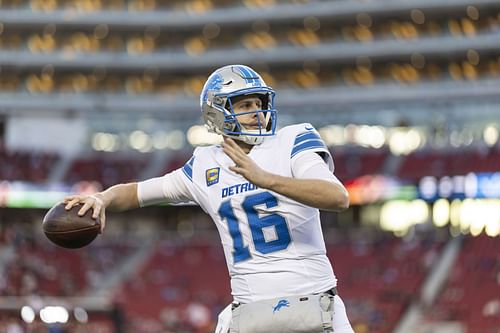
(282, 303)
(238, 188)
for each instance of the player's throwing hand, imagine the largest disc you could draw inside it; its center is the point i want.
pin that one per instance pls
(245, 166)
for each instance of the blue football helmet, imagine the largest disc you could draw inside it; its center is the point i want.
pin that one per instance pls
(216, 103)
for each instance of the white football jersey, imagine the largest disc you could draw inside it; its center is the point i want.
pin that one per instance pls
(273, 245)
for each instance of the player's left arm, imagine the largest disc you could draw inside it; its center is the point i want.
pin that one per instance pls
(318, 193)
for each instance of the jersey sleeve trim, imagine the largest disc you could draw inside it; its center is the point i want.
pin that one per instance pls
(306, 141)
(188, 169)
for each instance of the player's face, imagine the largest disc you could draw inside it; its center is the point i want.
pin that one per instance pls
(249, 103)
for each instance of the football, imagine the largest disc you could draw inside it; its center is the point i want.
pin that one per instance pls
(65, 228)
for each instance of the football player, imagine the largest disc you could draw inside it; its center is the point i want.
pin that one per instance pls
(263, 189)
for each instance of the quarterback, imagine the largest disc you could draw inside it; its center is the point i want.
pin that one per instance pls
(263, 189)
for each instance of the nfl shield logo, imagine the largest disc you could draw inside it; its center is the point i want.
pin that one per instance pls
(212, 176)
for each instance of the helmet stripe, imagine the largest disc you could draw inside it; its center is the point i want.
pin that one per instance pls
(247, 74)
(252, 72)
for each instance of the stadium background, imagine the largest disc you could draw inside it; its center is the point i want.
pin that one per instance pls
(405, 93)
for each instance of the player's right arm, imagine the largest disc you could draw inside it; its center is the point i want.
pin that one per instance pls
(119, 197)
(173, 187)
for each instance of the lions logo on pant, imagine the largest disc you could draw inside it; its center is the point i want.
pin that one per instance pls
(282, 303)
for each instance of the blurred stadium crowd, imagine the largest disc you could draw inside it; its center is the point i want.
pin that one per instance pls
(405, 94)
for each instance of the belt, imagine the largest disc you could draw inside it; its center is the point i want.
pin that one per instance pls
(332, 291)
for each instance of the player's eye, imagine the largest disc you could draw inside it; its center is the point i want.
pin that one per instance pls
(256, 104)
(248, 105)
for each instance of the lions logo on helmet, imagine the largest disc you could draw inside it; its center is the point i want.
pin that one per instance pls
(216, 104)
(213, 84)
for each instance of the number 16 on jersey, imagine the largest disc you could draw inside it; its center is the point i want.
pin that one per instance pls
(256, 224)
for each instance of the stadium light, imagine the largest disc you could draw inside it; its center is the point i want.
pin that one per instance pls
(399, 216)
(419, 211)
(441, 213)
(490, 135)
(54, 314)
(333, 135)
(467, 215)
(490, 216)
(140, 141)
(27, 314)
(455, 207)
(403, 141)
(492, 228)
(80, 315)
(105, 142)
(160, 140)
(476, 228)
(176, 140)
(370, 136)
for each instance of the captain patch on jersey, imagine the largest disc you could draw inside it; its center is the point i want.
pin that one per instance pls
(212, 176)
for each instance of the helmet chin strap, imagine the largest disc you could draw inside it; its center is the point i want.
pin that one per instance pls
(251, 139)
